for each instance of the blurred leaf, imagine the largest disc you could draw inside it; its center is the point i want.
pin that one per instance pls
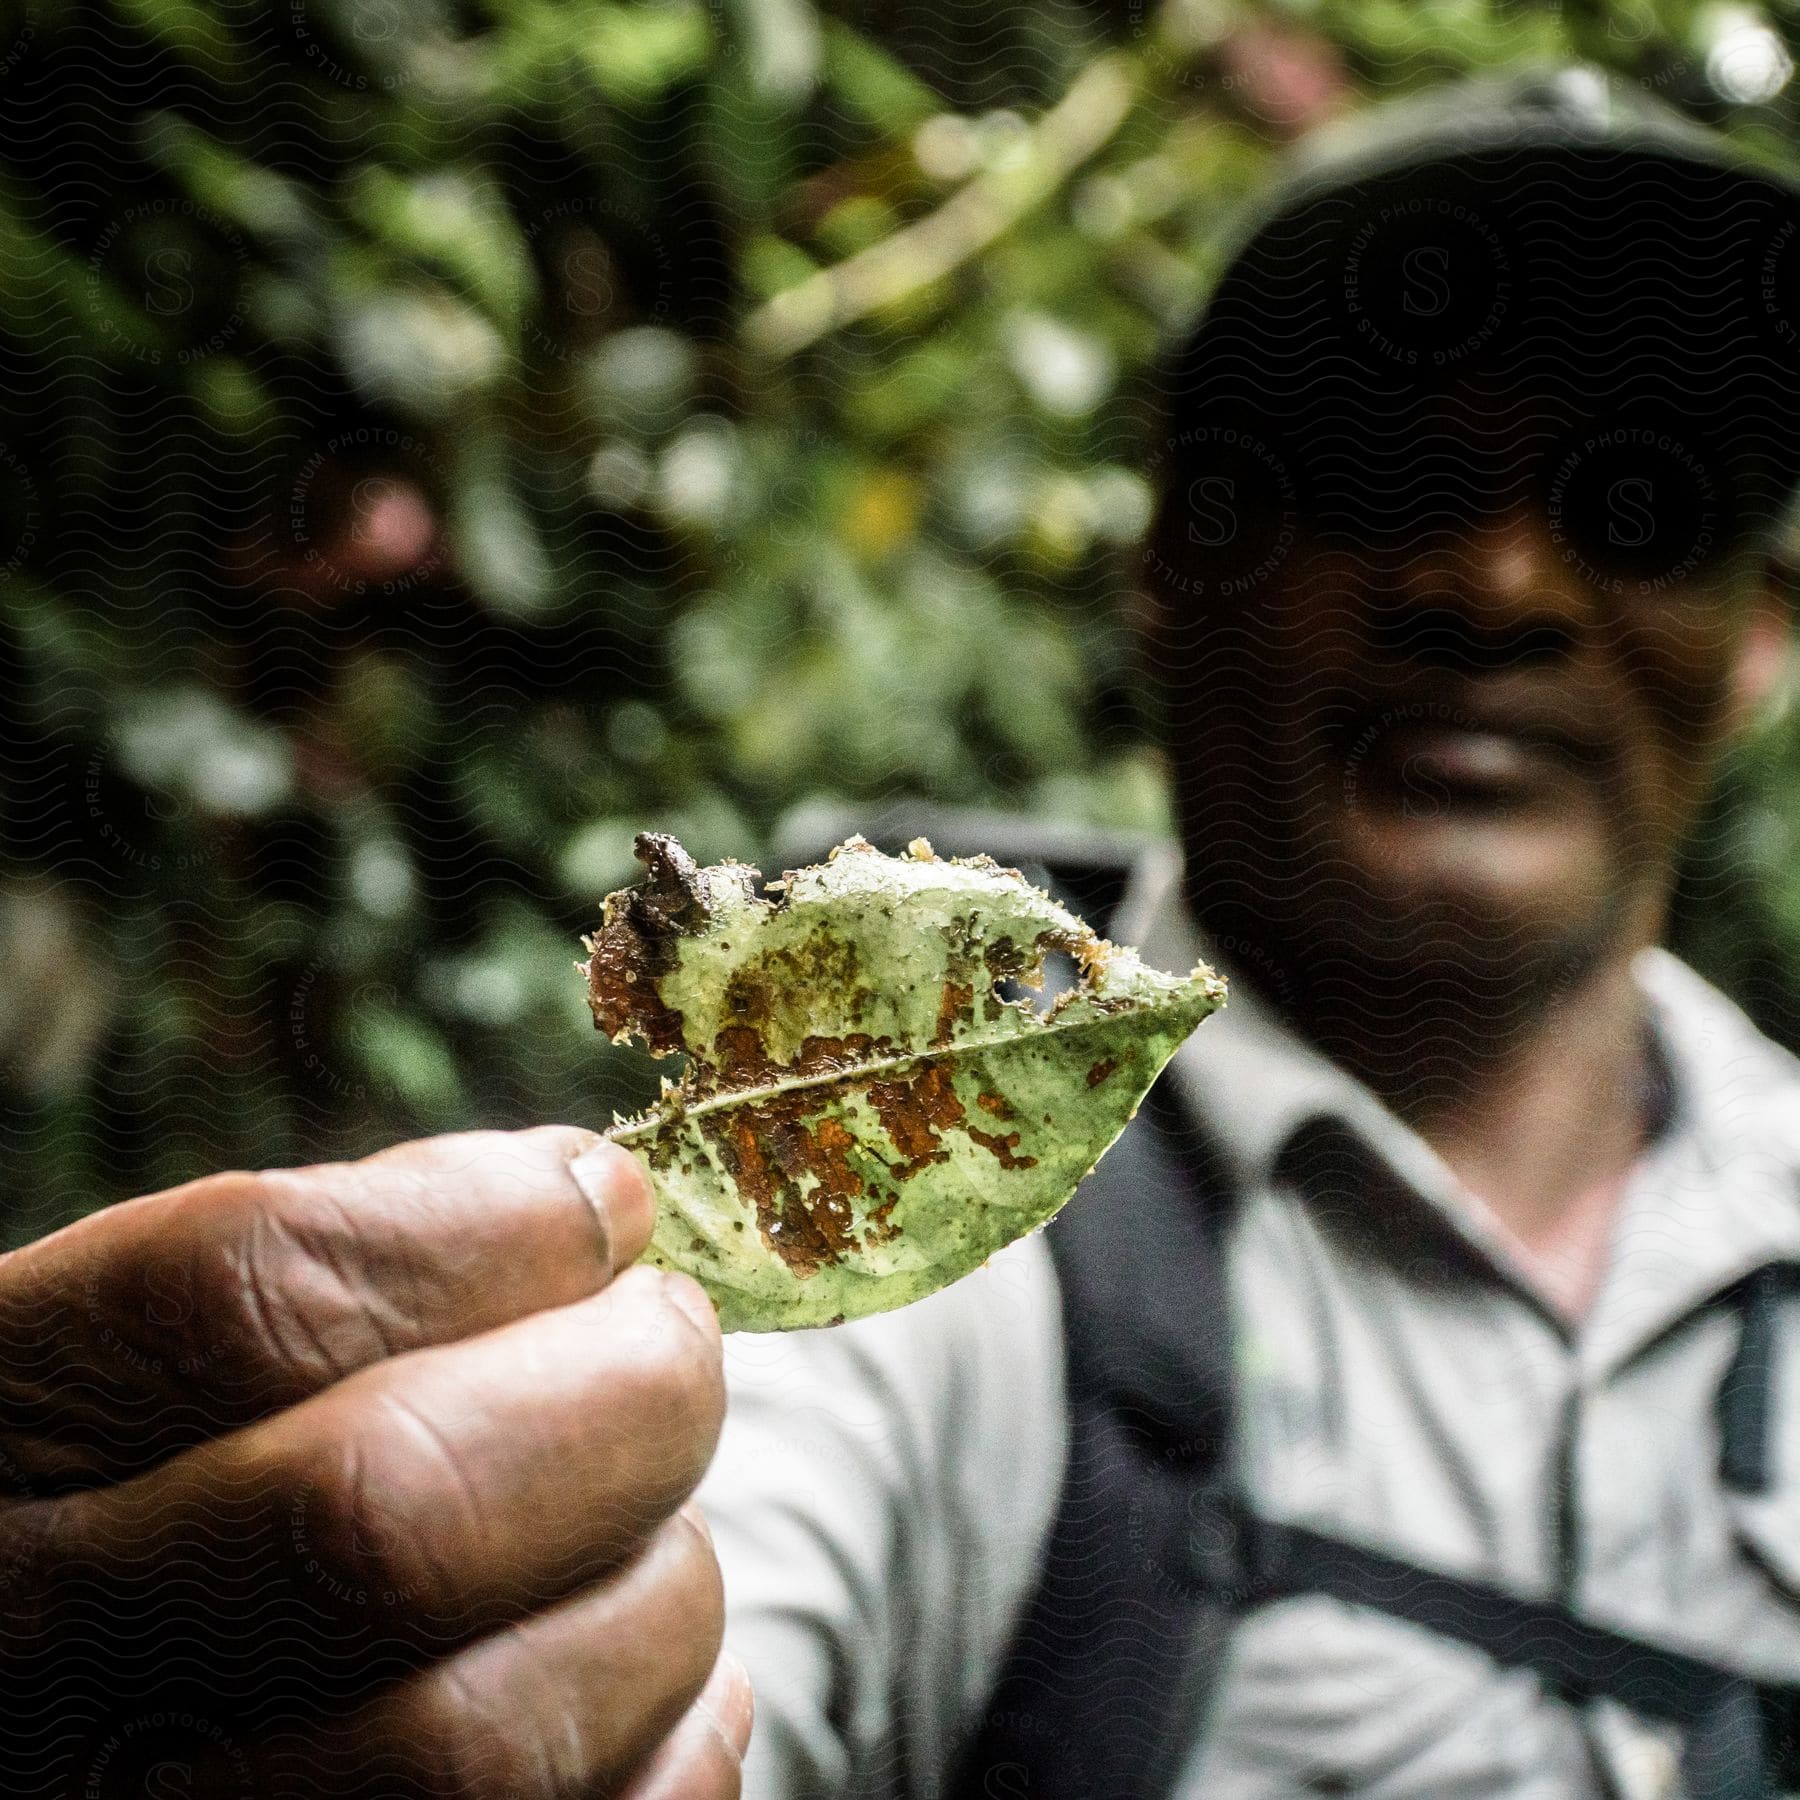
(409, 347)
(446, 220)
(874, 82)
(190, 745)
(405, 1059)
(634, 53)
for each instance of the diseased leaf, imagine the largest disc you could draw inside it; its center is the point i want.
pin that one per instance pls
(865, 1117)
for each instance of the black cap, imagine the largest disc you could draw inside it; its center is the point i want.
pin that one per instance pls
(1557, 238)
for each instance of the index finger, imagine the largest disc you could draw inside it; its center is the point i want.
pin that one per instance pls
(177, 1317)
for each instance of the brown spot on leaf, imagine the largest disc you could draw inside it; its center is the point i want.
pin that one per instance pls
(634, 947)
(1005, 1149)
(740, 1058)
(997, 1104)
(623, 975)
(821, 963)
(914, 1111)
(1100, 1070)
(952, 1010)
(1005, 959)
(743, 1060)
(832, 1166)
(878, 1227)
(749, 997)
(771, 1150)
(839, 1055)
(673, 899)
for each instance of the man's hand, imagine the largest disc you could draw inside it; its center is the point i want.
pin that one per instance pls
(364, 1480)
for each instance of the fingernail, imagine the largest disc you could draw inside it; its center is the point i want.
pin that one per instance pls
(690, 1296)
(695, 1517)
(730, 1702)
(619, 1192)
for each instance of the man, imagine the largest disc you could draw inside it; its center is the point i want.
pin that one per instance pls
(1458, 588)
(1490, 1177)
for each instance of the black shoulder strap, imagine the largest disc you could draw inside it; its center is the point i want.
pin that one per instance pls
(1747, 1394)
(1114, 1655)
(1723, 1716)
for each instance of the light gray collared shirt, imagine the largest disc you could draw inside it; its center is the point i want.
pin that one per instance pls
(883, 1490)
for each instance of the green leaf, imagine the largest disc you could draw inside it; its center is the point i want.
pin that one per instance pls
(457, 225)
(864, 1117)
(635, 54)
(873, 82)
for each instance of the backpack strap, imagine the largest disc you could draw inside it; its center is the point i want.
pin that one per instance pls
(1111, 1662)
(1747, 1394)
(1720, 1713)
(1746, 1412)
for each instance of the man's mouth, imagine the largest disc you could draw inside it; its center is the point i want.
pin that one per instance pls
(1433, 752)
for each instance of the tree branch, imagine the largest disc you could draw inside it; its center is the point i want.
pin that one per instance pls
(1073, 130)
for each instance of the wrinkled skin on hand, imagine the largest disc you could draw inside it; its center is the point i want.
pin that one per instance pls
(364, 1480)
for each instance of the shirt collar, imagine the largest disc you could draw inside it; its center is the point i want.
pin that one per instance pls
(1716, 1194)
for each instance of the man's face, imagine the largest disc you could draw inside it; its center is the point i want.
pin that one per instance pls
(1465, 721)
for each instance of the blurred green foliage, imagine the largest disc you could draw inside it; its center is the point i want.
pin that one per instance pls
(445, 439)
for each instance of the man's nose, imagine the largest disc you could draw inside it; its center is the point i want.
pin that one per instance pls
(1494, 593)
